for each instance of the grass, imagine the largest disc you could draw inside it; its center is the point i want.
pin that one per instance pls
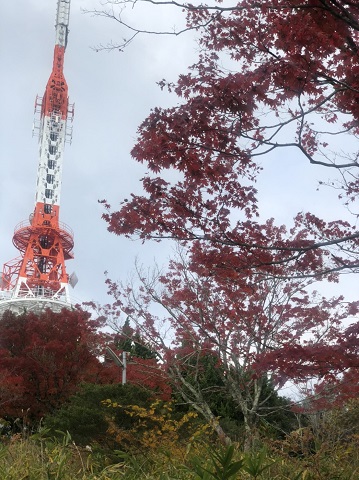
(40, 458)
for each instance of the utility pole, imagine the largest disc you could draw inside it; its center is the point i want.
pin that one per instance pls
(121, 363)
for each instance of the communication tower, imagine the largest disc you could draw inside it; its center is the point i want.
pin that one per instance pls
(37, 278)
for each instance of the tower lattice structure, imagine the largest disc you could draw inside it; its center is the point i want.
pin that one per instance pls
(37, 279)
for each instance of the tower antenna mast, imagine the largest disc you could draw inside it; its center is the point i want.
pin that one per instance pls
(37, 279)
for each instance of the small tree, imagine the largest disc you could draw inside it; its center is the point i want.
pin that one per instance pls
(44, 358)
(237, 327)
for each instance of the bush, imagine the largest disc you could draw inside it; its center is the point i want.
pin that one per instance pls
(87, 418)
(158, 428)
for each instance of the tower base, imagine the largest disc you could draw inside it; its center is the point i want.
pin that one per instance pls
(36, 305)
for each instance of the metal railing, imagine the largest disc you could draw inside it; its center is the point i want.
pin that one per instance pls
(27, 223)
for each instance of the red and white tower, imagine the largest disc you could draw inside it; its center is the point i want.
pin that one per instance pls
(37, 279)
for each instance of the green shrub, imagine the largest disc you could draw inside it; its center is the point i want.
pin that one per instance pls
(86, 417)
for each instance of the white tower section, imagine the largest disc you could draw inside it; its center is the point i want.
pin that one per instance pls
(52, 143)
(62, 22)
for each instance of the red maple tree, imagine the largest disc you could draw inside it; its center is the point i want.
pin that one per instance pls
(271, 331)
(271, 77)
(330, 362)
(44, 358)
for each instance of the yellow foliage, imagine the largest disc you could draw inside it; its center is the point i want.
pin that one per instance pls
(157, 428)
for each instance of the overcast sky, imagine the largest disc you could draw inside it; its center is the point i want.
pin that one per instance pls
(113, 93)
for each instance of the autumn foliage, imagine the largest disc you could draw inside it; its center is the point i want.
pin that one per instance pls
(143, 367)
(44, 358)
(156, 427)
(272, 78)
(241, 310)
(261, 86)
